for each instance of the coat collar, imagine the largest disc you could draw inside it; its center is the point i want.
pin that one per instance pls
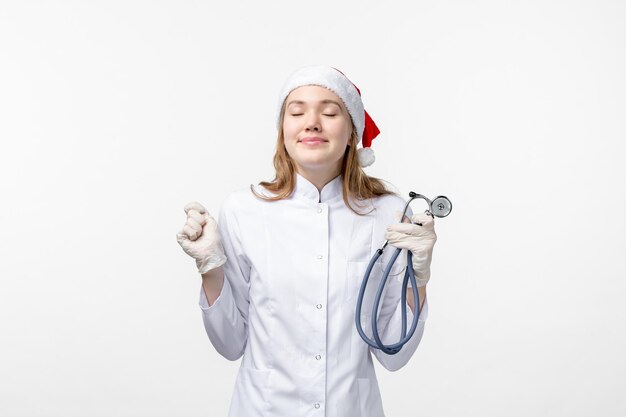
(305, 189)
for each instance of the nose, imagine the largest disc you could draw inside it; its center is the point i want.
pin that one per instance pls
(313, 123)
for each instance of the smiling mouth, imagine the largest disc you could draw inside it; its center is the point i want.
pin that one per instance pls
(313, 142)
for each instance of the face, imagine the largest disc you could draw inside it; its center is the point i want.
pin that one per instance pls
(317, 128)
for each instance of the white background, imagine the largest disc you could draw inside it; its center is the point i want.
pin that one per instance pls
(114, 115)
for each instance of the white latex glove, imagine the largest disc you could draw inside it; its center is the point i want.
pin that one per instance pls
(200, 238)
(420, 240)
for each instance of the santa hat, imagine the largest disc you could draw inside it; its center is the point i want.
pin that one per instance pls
(338, 83)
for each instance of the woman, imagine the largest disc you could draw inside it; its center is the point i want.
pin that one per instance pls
(282, 269)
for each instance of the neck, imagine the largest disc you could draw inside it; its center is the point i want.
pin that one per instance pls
(319, 177)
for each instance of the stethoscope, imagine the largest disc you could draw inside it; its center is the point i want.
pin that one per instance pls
(440, 207)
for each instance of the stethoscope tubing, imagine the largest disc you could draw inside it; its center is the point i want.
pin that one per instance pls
(377, 342)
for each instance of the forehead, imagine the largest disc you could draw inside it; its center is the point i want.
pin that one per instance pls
(313, 94)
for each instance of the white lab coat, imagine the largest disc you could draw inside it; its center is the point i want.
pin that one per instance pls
(292, 277)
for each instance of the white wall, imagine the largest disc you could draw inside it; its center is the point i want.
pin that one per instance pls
(114, 115)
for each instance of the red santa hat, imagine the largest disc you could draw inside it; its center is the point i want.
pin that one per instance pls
(338, 83)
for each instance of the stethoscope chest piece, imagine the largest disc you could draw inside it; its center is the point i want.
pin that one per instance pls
(441, 206)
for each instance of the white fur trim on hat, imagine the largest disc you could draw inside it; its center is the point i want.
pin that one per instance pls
(335, 81)
(366, 156)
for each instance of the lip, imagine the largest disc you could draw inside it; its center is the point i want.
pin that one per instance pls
(312, 140)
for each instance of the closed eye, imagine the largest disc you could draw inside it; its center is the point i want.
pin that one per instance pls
(330, 115)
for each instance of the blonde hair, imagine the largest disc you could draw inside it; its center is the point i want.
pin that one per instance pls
(356, 184)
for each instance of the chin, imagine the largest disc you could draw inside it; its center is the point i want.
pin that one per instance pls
(313, 163)
(317, 163)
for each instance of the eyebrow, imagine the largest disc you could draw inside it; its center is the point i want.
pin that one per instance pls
(321, 101)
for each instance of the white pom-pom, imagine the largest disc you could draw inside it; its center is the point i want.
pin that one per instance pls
(366, 156)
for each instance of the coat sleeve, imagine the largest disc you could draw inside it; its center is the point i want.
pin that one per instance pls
(390, 315)
(391, 334)
(226, 321)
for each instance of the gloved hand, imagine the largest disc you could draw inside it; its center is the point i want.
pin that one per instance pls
(420, 240)
(200, 238)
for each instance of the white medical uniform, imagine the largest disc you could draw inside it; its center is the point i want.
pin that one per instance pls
(292, 277)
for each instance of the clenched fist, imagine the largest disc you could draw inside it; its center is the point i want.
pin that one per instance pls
(200, 238)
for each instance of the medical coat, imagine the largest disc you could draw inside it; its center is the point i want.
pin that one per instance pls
(291, 281)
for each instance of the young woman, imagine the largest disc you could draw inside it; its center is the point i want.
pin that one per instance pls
(282, 269)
